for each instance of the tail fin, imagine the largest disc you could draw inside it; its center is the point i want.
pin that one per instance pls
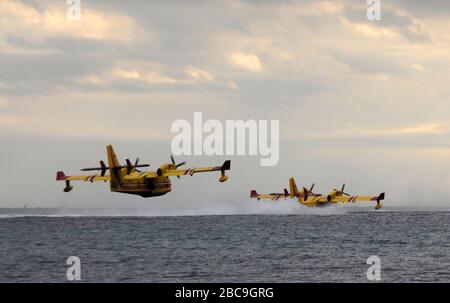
(293, 188)
(60, 176)
(115, 168)
(112, 158)
(253, 194)
(226, 166)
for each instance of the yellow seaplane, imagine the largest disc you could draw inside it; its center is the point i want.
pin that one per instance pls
(307, 197)
(128, 179)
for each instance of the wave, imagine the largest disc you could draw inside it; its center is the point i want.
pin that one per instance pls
(283, 207)
(252, 207)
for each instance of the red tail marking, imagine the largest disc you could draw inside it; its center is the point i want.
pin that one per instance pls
(253, 194)
(60, 176)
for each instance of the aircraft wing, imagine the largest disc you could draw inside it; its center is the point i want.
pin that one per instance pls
(149, 175)
(345, 199)
(191, 171)
(60, 176)
(272, 196)
(348, 199)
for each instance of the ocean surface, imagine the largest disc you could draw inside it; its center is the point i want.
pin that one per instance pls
(412, 246)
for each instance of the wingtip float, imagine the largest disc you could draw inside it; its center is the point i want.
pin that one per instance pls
(129, 180)
(309, 198)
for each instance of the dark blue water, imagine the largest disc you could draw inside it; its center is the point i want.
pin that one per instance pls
(412, 246)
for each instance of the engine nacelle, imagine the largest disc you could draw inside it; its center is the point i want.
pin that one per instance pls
(333, 194)
(165, 167)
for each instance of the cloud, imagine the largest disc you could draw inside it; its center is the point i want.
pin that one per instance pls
(233, 85)
(150, 77)
(395, 22)
(4, 85)
(100, 115)
(417, 67)
(342, 87)
(91, 79)
(146, 73)
(320, 8)
(245, 61)
(7, 48)
(430, 128)
(26, 21)
(198, 74)
(369, 30)
(425, 9)
(3, 103)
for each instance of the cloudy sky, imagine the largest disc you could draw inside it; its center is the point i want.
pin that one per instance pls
(362, 102)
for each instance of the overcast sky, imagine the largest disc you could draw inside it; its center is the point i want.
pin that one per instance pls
(361, 102)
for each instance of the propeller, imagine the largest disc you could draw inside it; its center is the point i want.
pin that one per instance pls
(103, 168)
(312, 186)
(177, 165)
(305, 195)
(136, 164)
(342, 190)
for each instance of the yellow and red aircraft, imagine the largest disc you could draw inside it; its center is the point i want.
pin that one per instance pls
(127, 179)
(307, 197)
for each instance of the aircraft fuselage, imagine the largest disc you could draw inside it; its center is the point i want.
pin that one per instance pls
(145, 188)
